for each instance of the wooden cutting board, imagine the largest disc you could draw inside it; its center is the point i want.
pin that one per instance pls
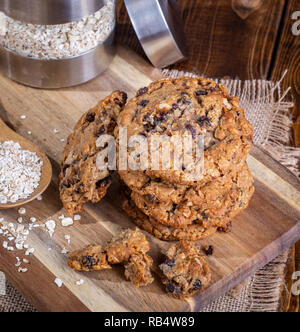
(269, 226)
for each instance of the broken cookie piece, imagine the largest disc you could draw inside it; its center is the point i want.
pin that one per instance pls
(80, 179)
(130, 247)
(91, 258)
(124, 245)
(185, 271)
(138, 270)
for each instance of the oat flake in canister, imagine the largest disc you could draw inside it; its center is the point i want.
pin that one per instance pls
(61, 40)
(20, 172)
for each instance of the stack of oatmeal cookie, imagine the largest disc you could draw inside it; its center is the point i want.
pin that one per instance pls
(171, 204)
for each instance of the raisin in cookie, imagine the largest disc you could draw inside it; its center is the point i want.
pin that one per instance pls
(137, 270)
(91, 258)
(80, 180)
(173, 107)
(185, 271)
(214, 201)
(126, 244)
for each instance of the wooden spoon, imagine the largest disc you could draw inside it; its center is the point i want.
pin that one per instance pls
(6, 134)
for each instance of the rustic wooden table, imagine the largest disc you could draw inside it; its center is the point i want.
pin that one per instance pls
(248, 39)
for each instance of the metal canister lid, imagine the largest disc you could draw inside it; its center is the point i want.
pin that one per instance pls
(159, 28)
(50, 12)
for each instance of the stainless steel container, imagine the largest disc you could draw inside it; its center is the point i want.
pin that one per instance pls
(52, 74)
(159, 28)
(62, 72)
(49, 12)
(156, 22)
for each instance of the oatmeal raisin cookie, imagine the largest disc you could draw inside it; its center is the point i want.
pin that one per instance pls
(185, 271)
(80, 181)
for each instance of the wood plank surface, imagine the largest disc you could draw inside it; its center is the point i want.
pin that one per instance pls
(270, 225)
(288, 54)
(288, 57)
(222, 40)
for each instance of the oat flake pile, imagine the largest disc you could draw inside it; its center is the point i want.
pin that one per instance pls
(20, 172)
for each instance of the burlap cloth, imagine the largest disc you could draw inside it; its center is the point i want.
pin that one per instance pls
(268, 109)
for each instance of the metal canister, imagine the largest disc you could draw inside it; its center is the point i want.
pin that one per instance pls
(47, 72)
(157, 24)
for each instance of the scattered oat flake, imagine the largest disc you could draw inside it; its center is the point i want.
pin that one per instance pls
(80, 282)
(68, 238)
(18, 262)
(22, 270)
(65, 222)
(77, 217)
(40, 198)
(23, 117)
(22, 211)
(29, 251)
(50, 224)
(58, 282)
(65, 251)
(19, 246)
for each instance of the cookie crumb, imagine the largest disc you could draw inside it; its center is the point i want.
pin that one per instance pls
(64, 251)
(209, 250)
(226, 229)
